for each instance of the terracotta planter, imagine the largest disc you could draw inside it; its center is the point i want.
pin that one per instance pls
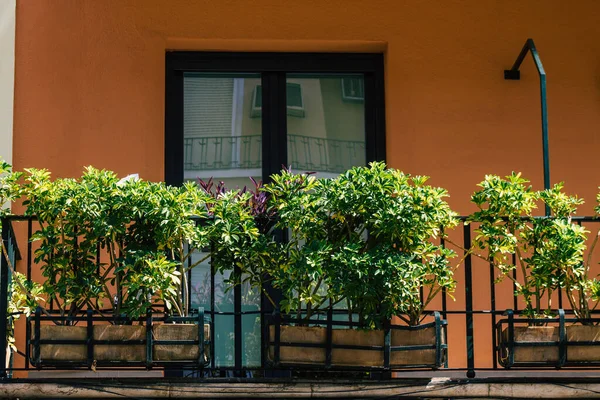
(179, 352)
(354, 357)
(549, 354)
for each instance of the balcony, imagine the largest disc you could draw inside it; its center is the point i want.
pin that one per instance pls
(475, 322)
(475, 351)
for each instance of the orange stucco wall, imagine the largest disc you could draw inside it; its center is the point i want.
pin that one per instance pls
(90, 82)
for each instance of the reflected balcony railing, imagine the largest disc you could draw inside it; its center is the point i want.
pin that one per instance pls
(306, 153)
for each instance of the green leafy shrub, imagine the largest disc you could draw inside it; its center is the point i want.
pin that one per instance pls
(240, 230)
(549, 250)
(367, 237)
(142, 229)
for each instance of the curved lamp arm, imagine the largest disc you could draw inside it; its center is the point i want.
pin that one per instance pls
(515, 74)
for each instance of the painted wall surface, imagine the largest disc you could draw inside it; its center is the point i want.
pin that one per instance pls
(90, 86)
(7, 76)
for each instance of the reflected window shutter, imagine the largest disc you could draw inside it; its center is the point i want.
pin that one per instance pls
(207, 106)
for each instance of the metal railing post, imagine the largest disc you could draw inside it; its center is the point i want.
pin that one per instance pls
(469, 304)
(4, 299)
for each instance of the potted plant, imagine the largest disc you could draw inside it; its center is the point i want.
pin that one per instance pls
(365, 241)
(118, 248)
(549, 253)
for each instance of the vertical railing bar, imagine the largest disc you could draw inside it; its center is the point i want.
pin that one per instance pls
(329, 337)
(493, 314)
(444, 294)
(511, 337)
(277, 338)
(212, 314)
(29, 246)
(204, 151)
(219, 163)
(237, 323)
(444, 301)
(27, 342)
(75, 246)
(4, 297)
(562, 342)
(89, 338)
(438, 339)
(98, 258)
(514, 284)
(201, 338)
(189, 274)
(387, 343)
(469, 303)
(37, 356)
(149, 339)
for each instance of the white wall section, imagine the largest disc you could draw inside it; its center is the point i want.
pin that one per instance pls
(7, 76)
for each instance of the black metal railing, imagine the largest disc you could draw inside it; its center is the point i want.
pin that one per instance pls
(480, 320)
(8, 258)
(211, 153)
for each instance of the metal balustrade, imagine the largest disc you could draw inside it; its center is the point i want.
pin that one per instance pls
(306, 153)
(473, 322)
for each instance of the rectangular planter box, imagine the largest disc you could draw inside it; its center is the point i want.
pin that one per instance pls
(102, 352)
(354, 357)
(62, 352)
(115, 352)
(550, 353)
(179, 352)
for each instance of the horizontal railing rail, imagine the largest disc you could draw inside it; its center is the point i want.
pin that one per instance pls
(475, 323)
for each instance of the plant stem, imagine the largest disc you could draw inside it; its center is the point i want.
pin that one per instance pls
(198, 262)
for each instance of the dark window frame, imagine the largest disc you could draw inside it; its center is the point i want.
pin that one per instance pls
(273, 68)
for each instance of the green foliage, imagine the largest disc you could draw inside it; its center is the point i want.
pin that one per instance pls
(549, 250)
(10, 190)
(25, 297)
(137, 225)
(239, 232)
(367, 237)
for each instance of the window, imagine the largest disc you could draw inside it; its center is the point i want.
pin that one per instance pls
(294, 101)
(210, 99)
(231, 116)
(353, 89)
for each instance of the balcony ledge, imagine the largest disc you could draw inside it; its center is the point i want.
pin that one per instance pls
(523, 387)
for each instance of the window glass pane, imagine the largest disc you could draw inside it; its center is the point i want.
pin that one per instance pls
(222, 127)
(251, 325)
(326, 132)
(325, 123)
(201, 287)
